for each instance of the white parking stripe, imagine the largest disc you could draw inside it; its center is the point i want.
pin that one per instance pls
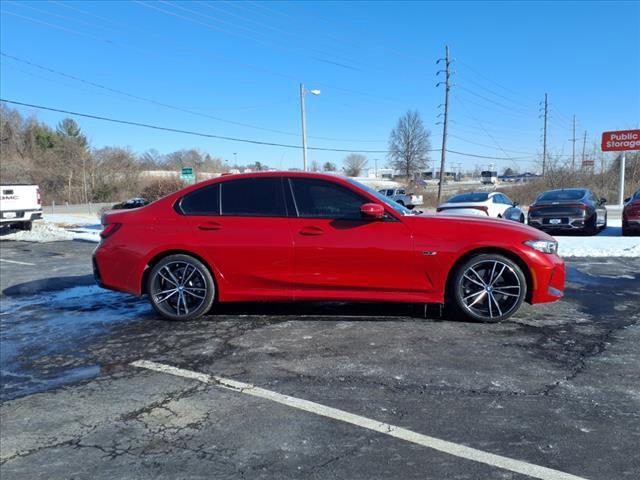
(445, 446)
(16, 262)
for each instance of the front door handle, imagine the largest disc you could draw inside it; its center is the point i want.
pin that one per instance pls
(311, 231)
(209, 226)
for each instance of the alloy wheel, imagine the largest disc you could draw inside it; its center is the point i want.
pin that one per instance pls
(490, 289)
(178, 289)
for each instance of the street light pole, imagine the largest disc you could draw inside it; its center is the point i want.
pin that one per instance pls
(304, 129)
(303, 92)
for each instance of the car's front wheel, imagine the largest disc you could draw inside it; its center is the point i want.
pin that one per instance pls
(181, 287)
(487, 288)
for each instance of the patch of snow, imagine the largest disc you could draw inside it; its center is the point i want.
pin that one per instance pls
(608, 243)
(79, 219)
(42, 232)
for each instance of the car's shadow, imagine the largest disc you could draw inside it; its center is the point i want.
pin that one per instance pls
(327, 309)
(365, 310)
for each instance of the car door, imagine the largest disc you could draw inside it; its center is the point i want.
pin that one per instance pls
(501, 203)
(245, 236)
(339, 254)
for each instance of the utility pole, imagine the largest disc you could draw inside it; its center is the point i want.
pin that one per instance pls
(304, 130)
(621, 181)
(447, 86)
(584, 146)
(544, 140)
(573, 139)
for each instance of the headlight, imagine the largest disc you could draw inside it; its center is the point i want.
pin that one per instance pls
(543, 246)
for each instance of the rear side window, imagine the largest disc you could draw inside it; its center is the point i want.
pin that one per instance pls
(560, 195)
(253, 197)
(469, 197)
(204, 201)
(322, 199)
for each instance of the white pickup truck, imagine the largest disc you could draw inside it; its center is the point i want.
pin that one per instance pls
(400, 196)
(20, 205)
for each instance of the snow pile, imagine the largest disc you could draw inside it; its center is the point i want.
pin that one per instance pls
(40, 232)
(599, 246)
(43, 231)
(72, 219)
(608, 243)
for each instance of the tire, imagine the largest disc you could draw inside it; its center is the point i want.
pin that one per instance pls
(177, 301)
(591, 227)
(487, 288)
(521, 218)
(26, 226)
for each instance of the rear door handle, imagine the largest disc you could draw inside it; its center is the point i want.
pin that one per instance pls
(210, 226)
(311, 231)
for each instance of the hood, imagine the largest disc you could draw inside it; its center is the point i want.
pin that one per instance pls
(478, 224)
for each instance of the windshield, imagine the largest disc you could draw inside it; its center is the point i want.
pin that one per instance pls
(394, 205)
(469, 197)
(560, 195)
(636, 196)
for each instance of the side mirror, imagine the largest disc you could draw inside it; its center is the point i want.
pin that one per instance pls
(515, 204)
(603, 201)
(627, 199)
(372, 211)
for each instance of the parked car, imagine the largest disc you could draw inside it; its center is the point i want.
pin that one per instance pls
(631, 215)
(400, 196)
(284, 236)
(20, 205)
(131, 203)
(485, 204)
(569, 209)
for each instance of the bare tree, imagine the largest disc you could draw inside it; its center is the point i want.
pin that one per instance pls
(354, 163)
(315, 166)
(409, 144)
(329, 167)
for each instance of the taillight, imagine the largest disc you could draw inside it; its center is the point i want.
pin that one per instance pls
(39, 196)
(481, 208)
(109, 230)
(484, 209)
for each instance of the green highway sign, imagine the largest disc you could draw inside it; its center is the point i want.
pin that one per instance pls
(187, 174)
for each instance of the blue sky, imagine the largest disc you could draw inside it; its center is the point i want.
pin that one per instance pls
(236, 68)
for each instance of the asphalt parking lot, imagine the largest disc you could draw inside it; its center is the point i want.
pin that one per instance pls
(554, 392)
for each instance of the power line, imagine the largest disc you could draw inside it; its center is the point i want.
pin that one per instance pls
(200, 53)
(173, 107)
(233, 139)
(490, 100)
(481, 125)
(484, 144)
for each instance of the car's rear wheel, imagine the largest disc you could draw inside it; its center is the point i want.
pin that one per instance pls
(181, 287)
(591, 225)
(488, 288)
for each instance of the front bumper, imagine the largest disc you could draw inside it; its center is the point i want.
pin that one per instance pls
(547, 277)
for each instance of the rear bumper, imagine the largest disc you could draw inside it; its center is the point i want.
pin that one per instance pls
(21, 216)
(566, 223)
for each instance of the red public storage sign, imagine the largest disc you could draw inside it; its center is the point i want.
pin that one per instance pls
(621, 140)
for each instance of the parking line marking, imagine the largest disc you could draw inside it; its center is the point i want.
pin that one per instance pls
(458, 450)
(16, 262)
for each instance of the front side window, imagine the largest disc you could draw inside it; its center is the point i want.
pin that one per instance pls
(204, 201)
(253, 197)
(322, 199)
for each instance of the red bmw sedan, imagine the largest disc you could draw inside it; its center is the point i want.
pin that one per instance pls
(286, 236)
